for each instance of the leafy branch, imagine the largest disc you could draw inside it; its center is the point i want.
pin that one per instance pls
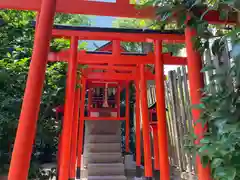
(220, 103)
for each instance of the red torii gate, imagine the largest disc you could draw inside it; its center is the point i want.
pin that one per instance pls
(131, 75)
(116, 61)
(30, 107)
(121, 59)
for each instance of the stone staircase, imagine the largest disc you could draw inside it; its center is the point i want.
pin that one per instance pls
(102, 151)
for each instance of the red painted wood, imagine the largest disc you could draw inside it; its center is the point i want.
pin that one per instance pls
(116, 47)
(161, 113)
(120, 9)
(68, 112)
(118, 100)
(75, 134)
(196, 83)
(111, 67)
(103, 109)
(89, 100)
(155, 146)
(138, 125)
(104, 118)
(26, 131)
(91, 84)
(81, 124)
(133, 37)
(82, 7)
(120, 60)
(110, 76)
(146, 129)
(127, 127)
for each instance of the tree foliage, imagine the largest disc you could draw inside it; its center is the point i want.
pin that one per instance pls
(220, 102)
(146, 24)
(71, 19)
(16, 43)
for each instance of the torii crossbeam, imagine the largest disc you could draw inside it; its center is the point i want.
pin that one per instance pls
(122, 8)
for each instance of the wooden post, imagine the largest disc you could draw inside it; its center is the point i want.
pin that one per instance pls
(22, 150)
(89, 100)
(118, 101)
(127, 130)
(161, 112)
(116, 49)
(75, 133)
(155, 147)
(146, 129)
(138, 132)
(81, 128)
(196, 83)
(68, 112)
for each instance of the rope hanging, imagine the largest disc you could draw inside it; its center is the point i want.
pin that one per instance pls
(105, 104)
(114, 91)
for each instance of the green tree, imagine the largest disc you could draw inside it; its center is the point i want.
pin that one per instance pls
(72, 19)
(147, 24)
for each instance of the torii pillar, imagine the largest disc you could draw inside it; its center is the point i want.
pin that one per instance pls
(196, 83)
(146, 129)
(161, 112)
(22, 150)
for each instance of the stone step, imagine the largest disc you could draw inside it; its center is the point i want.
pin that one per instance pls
(102, 147)
(115, 157)
(106, 169)
(107, 178)
(99, 138)
(103, 127)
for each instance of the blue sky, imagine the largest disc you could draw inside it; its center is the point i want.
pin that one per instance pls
(101, 21)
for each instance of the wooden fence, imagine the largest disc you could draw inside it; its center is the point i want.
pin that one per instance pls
(179, 117)
(179, 120)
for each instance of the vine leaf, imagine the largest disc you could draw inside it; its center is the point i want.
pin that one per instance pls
(198, 106)
(216, 162)
(228, 173)
(205, 161)
(208, 68)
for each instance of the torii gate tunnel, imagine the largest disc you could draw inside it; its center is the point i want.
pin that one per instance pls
(118, 67)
